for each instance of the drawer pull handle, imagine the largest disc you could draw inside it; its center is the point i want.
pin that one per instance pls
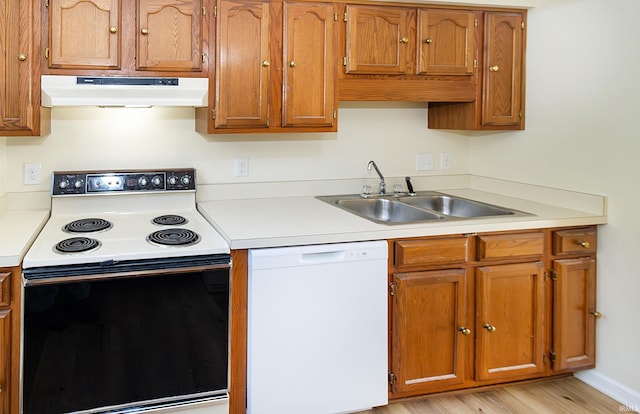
(584, 244)
(465, 331)
(489, 327)
(596, 314)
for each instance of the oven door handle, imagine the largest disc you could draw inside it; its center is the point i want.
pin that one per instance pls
(49, 280)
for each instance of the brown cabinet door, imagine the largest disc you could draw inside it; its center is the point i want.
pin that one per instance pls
(378, 40)
(309, 51)
(509, 321)
(84, 34)
(19, 73)
(446, 42)
(430, 338)
(169, 35)
(502, 68)
(242, 65)
(5, 360)
(574, 313)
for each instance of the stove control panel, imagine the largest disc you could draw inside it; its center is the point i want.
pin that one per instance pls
(94, 182)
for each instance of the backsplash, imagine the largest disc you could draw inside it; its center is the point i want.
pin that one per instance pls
(124, 138)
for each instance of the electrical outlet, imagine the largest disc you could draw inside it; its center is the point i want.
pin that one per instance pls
(424, 162)
(241, 167)
(32, 173)
(446, 159)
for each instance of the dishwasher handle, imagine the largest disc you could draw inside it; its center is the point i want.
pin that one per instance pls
(323, 257)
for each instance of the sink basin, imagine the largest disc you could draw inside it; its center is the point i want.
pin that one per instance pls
(455, 206)
(424, 206)
(386, 211)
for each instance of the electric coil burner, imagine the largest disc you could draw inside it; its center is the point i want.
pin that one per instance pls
(77, 245)
(126, 289)
(88, 225)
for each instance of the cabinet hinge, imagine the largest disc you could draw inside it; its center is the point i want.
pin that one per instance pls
(475, 22)
(344, 61)
(203, 11)
(335, 16)
(522, 25)
(335, 114)
(46, 53)
(215, 11)
(392, 289)
(520, 114)
(344, 17)
(553, 275)
(203, 58)
(46, 3)
(392, 378)
(475, 63)
(213, 114)
(544, 359)
(552, 356)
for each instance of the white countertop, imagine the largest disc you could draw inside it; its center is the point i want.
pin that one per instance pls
(18, 230)
(285, 221)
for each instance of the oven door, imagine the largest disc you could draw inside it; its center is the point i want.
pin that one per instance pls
(132, 343)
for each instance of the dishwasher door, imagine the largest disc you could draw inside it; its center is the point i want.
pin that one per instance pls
(317, 328)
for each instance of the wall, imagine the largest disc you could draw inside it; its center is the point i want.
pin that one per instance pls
(583, 97)
(118, 138)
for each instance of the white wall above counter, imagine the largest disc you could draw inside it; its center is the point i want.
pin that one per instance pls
(523, 4)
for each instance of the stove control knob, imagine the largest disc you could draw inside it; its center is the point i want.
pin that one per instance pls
(173, 180)
(143, 181)
(64, 183)
(78, 183)
(156, 181)
(185, 180)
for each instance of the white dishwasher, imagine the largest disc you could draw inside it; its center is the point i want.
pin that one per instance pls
(317, 328)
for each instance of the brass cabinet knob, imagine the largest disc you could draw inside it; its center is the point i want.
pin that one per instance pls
(22, 57)
(596, 314)
(113, 29)
(428, 40)
(584, 244)
(265, 63)
(494, 68)
(404, 40)
(465, 331)
(489, 327)
(292, 63)
(144, 31)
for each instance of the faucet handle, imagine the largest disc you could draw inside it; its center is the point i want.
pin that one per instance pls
(366, 191)
(397, 189)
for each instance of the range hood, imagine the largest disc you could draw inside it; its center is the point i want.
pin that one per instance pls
(60, 90)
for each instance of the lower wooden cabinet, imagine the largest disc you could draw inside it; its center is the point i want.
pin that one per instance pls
(490, 308)
(9, 339)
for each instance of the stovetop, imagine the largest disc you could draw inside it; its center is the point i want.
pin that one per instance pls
(138, 215)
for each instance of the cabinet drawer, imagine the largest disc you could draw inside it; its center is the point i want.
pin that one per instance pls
(431, 252)
(505, 246)
(5, 289)
(575, 241)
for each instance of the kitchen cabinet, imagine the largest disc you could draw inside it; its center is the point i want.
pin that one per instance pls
(406, 53)
(10, 299)
(275, 68)
(489, 308)
(499, 104)
(20, 111)
(124, 36)
(573, 271)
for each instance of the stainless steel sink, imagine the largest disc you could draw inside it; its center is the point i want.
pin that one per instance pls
(422, 207)
(386, 211)
(455, 206)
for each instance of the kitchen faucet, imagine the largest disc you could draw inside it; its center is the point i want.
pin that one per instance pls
(383, 186)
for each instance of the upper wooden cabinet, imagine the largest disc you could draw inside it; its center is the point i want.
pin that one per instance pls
(275, 68)
(20, 112)
(499, 104)
(405, 53)
(379, 40)
(145, 35)
(446, 42)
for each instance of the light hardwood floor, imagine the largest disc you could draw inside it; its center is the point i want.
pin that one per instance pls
(556, 396)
